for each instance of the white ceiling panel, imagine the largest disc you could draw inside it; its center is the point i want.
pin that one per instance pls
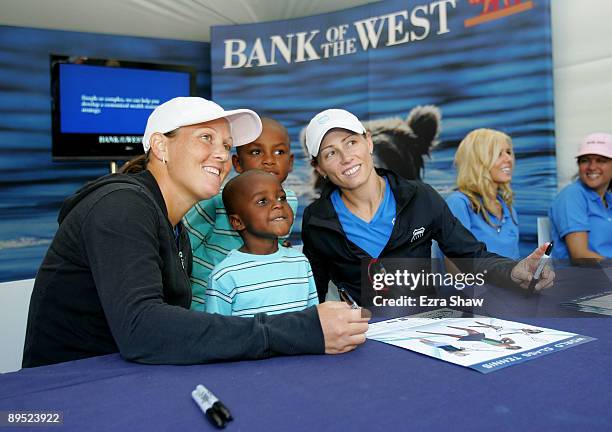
(168, 19)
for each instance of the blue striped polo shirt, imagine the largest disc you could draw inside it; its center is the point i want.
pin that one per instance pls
(245, 284)
(212, 238)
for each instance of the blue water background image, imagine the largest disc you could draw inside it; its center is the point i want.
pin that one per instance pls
(32, 187)
(496, 75)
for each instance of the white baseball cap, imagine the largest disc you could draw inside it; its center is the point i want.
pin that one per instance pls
(596, 143)
(324, 122)
(245, 125)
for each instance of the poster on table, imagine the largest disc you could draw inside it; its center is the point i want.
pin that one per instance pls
(483, 344)
(420, 74)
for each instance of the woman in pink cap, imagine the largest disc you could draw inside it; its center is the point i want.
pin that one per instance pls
(581, 215)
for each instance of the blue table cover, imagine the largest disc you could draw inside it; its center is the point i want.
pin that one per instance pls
(376, 387)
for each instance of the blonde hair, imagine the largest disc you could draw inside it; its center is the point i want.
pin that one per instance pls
(475, 157)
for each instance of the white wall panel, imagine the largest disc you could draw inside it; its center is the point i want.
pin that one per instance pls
(582, 55)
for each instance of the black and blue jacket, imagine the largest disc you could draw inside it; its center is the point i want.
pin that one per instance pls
(421, 216)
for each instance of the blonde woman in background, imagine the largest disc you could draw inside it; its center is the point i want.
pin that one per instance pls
(483, 200)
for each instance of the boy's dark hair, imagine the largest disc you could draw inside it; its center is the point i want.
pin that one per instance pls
(235, 187)
(276, 123)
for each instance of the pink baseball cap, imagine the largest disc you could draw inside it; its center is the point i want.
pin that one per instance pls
(596, 143)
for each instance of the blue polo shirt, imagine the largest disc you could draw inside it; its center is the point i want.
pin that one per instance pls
(503, 239)
(371, 236)
(578, 208)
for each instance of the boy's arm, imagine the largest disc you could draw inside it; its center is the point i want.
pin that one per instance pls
(313, 296)
(218, 298)
(199, 221)
(292, 200)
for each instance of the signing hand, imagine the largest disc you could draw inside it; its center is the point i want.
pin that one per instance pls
(343, 328)
(522, 273)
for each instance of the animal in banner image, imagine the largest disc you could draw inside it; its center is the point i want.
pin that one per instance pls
(400, 144)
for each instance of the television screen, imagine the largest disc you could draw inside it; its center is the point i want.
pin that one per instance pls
(100, 107)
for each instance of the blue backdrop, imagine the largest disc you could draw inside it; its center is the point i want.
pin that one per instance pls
(32, 187)
(495, 74)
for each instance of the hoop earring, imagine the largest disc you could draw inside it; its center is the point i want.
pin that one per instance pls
(164, 159)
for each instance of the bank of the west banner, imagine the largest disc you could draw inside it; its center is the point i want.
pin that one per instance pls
(421, 73)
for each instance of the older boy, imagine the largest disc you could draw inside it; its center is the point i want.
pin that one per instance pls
(210, 232)
(261, 276)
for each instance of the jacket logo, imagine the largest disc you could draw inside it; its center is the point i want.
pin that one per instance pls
(417, 234)
(491, 10)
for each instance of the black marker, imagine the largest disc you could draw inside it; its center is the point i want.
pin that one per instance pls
(211, 406)
(536, 276)
(346, 297)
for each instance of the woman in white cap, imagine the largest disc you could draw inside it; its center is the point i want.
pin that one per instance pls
(116, 276)
(368, 213)
(581, 215)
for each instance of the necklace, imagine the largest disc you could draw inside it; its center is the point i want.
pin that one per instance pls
(381, 191)
(498, 227)
(355, 209)
(500, 209)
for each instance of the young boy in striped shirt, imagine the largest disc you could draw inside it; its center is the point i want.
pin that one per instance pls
(260, 276)
(210, 233)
